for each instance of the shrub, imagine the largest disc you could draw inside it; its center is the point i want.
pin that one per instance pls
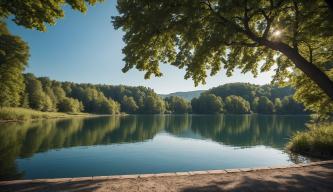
(317, 141)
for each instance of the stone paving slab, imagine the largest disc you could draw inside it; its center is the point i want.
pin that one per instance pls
(216, 171)
(182, 173)
(81, 179)
(312, 177)
(165, 174)
(146, 175)
(246, 169)
(128, 176)
(232, 170)
(198, 172)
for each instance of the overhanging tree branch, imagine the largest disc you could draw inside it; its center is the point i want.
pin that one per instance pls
(311, 70)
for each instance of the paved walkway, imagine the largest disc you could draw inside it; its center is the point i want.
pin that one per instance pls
(307, 177)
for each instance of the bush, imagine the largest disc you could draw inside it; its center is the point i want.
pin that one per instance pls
(317, 141)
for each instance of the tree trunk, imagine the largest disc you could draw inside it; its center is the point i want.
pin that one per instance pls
(311, 70)
(330, 4)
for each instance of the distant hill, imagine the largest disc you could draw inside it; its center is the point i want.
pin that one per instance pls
(188, 95)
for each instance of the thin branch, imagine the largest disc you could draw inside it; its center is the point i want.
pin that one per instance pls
(225, 20)
(295, 28)
(240, 43)
(269, 21)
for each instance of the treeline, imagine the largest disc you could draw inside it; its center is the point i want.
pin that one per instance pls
(244, 98)
(48, 95)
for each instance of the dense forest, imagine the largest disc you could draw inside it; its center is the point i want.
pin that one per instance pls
(43, 94)
(48, 95)
(243, 98)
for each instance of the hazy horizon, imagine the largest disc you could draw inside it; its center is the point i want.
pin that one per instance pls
(84, 48)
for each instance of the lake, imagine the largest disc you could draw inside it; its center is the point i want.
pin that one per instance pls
(144, 144)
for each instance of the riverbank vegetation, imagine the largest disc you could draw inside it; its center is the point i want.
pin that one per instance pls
(317, 141)
(22, 114)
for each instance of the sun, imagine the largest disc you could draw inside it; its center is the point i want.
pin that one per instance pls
(277, 33)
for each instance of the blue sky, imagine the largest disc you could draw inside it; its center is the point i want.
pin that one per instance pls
(85, 48)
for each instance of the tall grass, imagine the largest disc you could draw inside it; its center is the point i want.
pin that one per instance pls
(21, 114)
(316, 142)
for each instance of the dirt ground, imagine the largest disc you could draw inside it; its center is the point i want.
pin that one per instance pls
(308, 178)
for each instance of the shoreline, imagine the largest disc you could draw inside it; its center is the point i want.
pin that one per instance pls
(68, 116)
(169, 174)
(316, 176)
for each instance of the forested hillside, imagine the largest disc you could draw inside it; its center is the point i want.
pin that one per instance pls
(43, 94)
(48, 95)
(188, 95)
(243, 98)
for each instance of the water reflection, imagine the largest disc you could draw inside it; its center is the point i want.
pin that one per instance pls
(249, 130)
(23, 140)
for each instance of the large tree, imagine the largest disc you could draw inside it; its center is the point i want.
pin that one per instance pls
(205, 35)
(14, 54)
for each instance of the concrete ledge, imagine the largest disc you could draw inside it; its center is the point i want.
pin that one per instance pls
(166, 174)
(216, 171)
(191, 173)
(147, 175)
(198, 172)
(182, 173)
(232, 170)
(246, 169)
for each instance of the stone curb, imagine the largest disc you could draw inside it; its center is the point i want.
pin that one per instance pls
(143, 176)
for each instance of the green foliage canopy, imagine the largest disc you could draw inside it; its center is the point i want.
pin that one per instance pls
(153, 105)
(245, 90)
(207, 104)
(129, 105)
(14, 54)
(70, 105)
(35, 14)
(264, 105)
(236, 105)
(177, 105)
(288, 105)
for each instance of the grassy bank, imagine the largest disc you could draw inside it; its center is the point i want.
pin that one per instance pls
(316, 142)
(23, 114)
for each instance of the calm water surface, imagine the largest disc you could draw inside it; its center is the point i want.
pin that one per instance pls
(144, 144)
